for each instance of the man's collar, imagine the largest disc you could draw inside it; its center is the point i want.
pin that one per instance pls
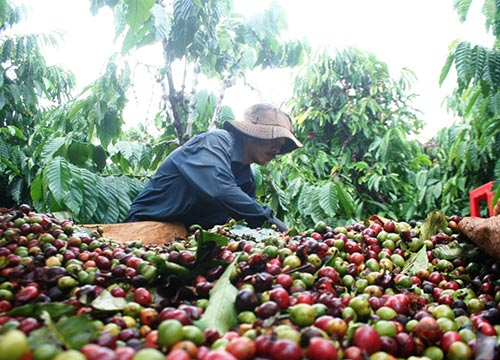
(238, 144)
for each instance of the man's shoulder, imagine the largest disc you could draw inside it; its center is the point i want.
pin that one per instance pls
(217, 135)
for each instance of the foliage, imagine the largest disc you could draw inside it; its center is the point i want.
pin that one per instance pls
(27, 87)
(79, 160)
(62, 156)
(357, 159)
(469, 150)
(85, 157)
(63, 153)
(202, 40)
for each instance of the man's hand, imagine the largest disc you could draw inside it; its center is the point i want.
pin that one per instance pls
(273, 220)
(282, 227)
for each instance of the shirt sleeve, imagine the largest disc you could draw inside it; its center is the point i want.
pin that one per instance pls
(206, 165)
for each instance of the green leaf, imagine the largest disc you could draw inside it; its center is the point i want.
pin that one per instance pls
(184, 27)
(118, 187)
(328, 199)
(462, 7)
(10, 165)
(345, 199)
(12, 130)
(73, 199)
(463, 59)
(58, 175)
(226, 113)
(162, 23)
(51, 147)
(138, 12)
(316, 212)
(90, 195)
(116, 200)
(79, 152)
(99, 156)
(73, 332)
(102, 203)
(206, 240)
(42, 336)
(55, 310)
(36, 190)
(304, 202)
(446, 68)
(220, 313)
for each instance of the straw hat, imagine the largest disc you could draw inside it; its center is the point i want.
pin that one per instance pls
(265, 121)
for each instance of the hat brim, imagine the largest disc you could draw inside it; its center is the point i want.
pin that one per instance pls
(266, 132)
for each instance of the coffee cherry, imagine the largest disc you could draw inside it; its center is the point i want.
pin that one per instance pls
(246, 299)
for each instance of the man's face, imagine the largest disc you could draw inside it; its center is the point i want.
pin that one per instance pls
(262, 151)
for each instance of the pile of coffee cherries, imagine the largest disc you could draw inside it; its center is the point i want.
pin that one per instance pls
(371, 290)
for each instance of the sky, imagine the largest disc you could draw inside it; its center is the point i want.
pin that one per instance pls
(402, 33)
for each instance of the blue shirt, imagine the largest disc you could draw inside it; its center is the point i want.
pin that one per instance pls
(202, 182)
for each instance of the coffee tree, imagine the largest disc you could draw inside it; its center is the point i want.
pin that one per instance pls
(469, 149)
(358, 159)
(86, 165)
(203, 40)
(28, 86)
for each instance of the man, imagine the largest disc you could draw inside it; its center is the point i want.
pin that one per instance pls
(208, 180)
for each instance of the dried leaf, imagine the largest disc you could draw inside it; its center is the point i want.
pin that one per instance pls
(435, 221)
(417, 261)
(455, 250)
(107, 302)
(257, 235)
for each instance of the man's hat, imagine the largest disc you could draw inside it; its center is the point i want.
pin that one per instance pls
(265, 121)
